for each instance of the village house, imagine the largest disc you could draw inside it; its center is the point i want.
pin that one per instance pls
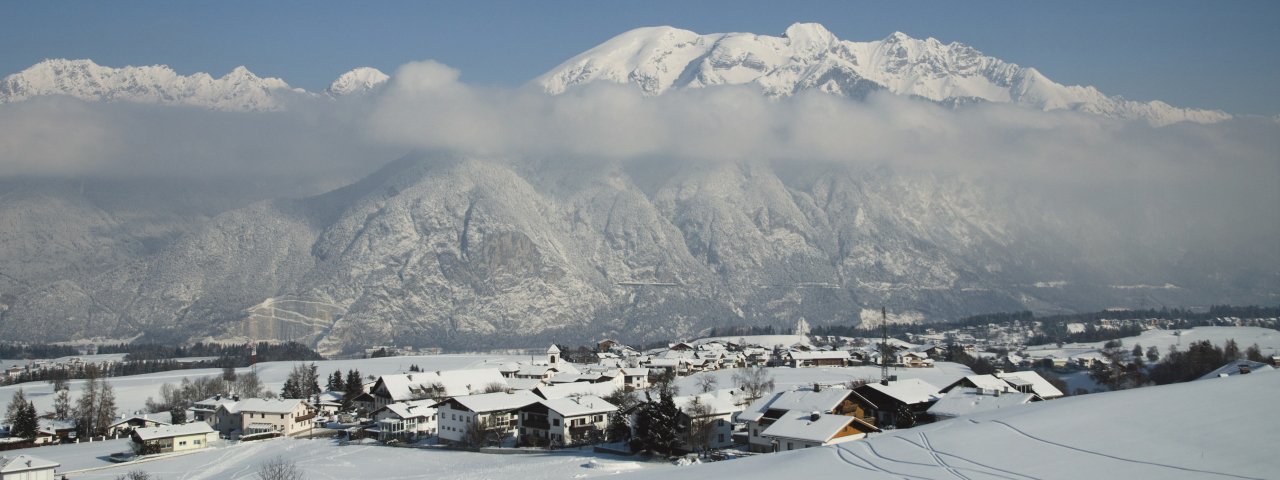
(764, 412)
(713, 409)
(254, 416)
(172, 438)
(206, 410)
(832, 358)
(404, 387)
(797, 430)
(406, 421)
(55, 431)
(900, 403)
(494, 412)
(27, 467)
(564, 421)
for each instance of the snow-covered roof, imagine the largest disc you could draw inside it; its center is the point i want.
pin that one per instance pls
(401, 387)
(262, 405)
(990, 382)
(820, 355)
(412, 409)
(24, 463)
(169, 431)
(562, 390)
(1039, 385)
(1236, 368)
(907, 390)
(524, 383)
(800, 400)
(801, 426)
(144, 418)
(965, 401)
(717, 404)
(493, 402)
(577, 406)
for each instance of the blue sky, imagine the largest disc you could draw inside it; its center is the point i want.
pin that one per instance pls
(1196, 54)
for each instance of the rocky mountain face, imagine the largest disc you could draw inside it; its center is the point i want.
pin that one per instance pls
(467, 253)
(809, 57)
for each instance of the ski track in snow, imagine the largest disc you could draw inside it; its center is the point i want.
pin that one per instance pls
(1113, 457)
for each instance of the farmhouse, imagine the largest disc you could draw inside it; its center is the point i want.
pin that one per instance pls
(835, 358)
(422, 385)
(963, 401)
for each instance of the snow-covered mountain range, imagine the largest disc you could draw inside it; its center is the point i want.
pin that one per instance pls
(239, 90)
(470, 251)
(809, 57)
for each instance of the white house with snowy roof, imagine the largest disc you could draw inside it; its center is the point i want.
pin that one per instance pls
(407, 421)
(27, 467)
(799, 430)
(769, 409)
(173, 438)
(716, 409)
(436, 385)
(495, 411)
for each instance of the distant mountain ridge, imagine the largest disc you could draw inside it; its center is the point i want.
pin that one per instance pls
(238, 90)
(809, 57)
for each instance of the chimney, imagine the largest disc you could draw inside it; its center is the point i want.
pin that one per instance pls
(817, 387)
(813, 417)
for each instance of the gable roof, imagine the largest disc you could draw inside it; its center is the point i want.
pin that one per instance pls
(907, 390)
(801, 400)
(966, 401)
(493, 402)
(990, 382)
(802, 426)
(410, 409)
(820, 355)
(405, 386)
(168, 431)
(585, 405)
(23, 463)
(717, 404)
(1039, 385)
(562, 390)
(144, 418)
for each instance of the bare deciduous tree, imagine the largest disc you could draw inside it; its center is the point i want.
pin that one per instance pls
(755, 382)
(279, 468)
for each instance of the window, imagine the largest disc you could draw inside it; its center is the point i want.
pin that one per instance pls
(720, 438)
(197, 442)
(182, 443)
(555, 422)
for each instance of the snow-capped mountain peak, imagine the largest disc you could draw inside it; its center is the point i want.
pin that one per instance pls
(239, 89)
(808, 56)
(358, 80)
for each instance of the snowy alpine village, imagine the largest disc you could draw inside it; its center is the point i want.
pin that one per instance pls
(615, 408)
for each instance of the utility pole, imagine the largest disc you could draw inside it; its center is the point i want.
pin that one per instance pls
(884, 347)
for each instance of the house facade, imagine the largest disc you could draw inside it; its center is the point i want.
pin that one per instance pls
(564, 421)
(493, 412)
(407, 421)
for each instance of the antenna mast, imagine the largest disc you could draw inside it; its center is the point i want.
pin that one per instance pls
(884, 347)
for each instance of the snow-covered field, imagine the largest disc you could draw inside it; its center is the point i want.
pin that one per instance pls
(325, 459)
(1268, 341)
(132, 391)
(1220, 428)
